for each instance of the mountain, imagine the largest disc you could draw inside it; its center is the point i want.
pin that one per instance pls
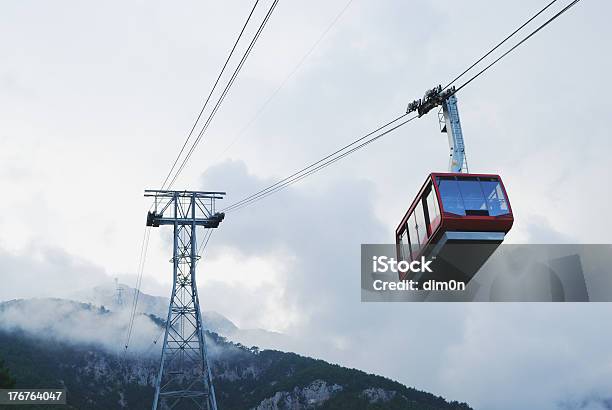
(57, 343)
(106, 295)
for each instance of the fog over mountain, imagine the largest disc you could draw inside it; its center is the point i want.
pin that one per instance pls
(58, 343)
(106, 295)
(77, 323)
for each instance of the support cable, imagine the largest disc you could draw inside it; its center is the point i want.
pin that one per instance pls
(204, 243)
(339, 154)
(488, 53)
(262, 108)
(322, 163)
(547, 22)
(224, 93)
(231, 53)
(141, 263)
(144, 247)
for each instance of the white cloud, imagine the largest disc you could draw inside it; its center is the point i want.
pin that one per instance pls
(74, 322)
(43, 272)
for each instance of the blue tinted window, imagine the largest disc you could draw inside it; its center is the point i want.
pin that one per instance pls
(450, 196)
(432, 207)
(496, 200)
(473, 198)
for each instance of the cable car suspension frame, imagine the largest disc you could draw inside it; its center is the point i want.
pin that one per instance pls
(449, 122)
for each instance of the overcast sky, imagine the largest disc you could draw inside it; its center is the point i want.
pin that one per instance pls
(96, 99)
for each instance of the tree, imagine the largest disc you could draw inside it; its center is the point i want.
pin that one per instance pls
(6, 381)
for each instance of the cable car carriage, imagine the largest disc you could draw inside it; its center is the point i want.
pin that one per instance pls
(470, 210)
(458, 219)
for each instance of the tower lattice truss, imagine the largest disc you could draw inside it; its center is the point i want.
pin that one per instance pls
(185, 378)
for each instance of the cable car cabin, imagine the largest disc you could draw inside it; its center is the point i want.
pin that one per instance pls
(457, 220)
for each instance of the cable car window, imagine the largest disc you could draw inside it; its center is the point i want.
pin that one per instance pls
(413, 234)
(450, 195)
(419, 213)
(432, 208)
(496, 200)
(473, 197)
(404, 246)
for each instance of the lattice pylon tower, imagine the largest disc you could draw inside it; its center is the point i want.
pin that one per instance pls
(184, 380)
(118, 294)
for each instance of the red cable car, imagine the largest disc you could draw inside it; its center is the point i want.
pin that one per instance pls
(455, 208)
(458, 219)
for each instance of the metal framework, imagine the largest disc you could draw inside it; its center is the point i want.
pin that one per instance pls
(118, 294)
(452, 126)
(185, 378)
(449, 122)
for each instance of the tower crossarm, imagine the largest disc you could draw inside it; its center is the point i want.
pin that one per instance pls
(172, 207)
